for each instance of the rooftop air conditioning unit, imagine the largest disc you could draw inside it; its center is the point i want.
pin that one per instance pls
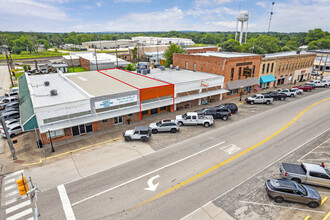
(46, 83)
(53, 92)
(177, 68)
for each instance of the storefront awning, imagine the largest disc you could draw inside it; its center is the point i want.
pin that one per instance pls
(242, 83)
(266, 79)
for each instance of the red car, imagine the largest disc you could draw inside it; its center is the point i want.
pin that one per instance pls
(304, 88)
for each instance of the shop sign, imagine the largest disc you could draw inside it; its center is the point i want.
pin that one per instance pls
(247, 72)
(116, 101)
(303, 71)
(244, 64)
(205, 84)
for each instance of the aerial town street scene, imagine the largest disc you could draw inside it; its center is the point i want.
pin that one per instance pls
(164, 110)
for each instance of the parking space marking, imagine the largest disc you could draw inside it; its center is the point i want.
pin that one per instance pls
(146, 174)
(300, 159)
(230, 149)
(279, 206)
(66, 203)
(324, 192)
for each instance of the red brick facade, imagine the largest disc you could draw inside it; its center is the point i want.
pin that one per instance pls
(201, 49)
(84, 63)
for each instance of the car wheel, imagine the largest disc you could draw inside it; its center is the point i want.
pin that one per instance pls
(180, 123)
(267, 102)
(173, 130)
(252, 102)
(224, 118)
(12, 135)
(144, 139)
(128, 139)
(291, 95)
(282, 98)
(296, 180)
(325, 86)
(206, 124)
(313, 204)
(278, 199)
(308, 90)
(154, 131)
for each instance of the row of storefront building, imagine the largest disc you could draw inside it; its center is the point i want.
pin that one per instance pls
(62, 106)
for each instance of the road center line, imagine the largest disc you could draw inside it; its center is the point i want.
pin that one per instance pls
(146, 174)
(226, 161)
(66, 203)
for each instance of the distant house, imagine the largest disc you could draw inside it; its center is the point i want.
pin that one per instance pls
(60, 67)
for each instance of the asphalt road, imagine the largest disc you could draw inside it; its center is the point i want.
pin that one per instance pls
(183, 169)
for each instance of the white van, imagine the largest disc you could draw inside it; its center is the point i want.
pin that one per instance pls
(7, 100)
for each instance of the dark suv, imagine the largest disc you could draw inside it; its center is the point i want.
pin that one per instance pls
(288, 190)
(215, 112)
(275, 95)
(231, 106)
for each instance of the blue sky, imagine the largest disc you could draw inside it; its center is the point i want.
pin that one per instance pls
(160, 15)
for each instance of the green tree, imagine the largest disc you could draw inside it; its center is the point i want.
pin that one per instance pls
(314, 35)
(45, 43)
(265, 44)
(208, 39)
(173, 48)
(130, 67)
(292, 45)
(23, 44)
(231, 46)
(286, 48)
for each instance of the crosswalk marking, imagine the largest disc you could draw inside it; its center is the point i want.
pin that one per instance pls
(20, 214)
(10, 181)
(10, 187)
(18, 206)
(13, 174)
(12, 193)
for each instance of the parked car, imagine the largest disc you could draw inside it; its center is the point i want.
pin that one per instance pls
(9, 110)
(306, 173)
(12, 105)
(311, 84)
(258, 98)
(222, 113)
(305, 88)
(319, 83)
(275, 95)
(288, 93)
(192, 118)
(164, 125)
(288, 190)
(13, 130)
(7, 100)
(298, 91)
(10, 115)
(141, 133)
(10, 122)
(231, 106)
(9, 94)
(326, 81)
(14, 89)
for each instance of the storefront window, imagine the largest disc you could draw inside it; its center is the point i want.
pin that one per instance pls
(232, 92)
(271, 70)
(239, 72)
(145, 112)
(254, 68)
(232, 74)
(56, 133)
(118, 120)
(267, 67)
(263, 69)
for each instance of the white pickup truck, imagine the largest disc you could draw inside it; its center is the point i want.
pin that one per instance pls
(192, 118)
(319, 83)
(306, 173)
(287, 92)
(258, 98)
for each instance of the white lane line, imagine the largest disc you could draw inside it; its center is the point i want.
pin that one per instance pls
(279, 206)
(12, 193)
(20, 214)
(146, 174)
(10, 187)
(18, 206)
(66, 203)
(32, 218)
(263, 169)
(324, 192)
(10, 181)
(300, 159)
(13, 174)
(14, 200)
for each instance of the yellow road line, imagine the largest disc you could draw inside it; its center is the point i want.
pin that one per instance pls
(307, 217)
(224, 162)
(324, 200)
(72, 151)
(327, 216)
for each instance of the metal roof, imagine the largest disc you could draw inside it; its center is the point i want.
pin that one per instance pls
(98, 84)
(287, 53)
(133, 79)
(225, 54)
(180, 76)
(66, 91)
(194, 48)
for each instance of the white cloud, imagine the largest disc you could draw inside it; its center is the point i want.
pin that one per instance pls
(57, 1)
(206, 3)
(261, 4)
(118, 1)
(99, 4)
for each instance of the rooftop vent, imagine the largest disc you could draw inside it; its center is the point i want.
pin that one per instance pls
(46, 83)
(177, 68)
(53, 92)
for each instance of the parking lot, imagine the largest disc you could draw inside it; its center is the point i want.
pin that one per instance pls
(249, 200)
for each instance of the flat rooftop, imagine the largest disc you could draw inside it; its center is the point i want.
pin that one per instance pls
(225, 54)
(194, 48)
(98, 84)
(66, 91)
(136, 80)
(287, 53)
(180, 76)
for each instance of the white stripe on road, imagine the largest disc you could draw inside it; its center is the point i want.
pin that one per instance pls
(10, 181)
(12, 193)
(32, 218)
(14, 200)
(66, 203)
(13, 174)
(18, 206)
(11, 187)
(20, 215)
(146, 174)
(279, 206)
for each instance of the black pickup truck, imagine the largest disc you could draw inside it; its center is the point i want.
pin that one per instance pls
(215, 112)
(275, 95)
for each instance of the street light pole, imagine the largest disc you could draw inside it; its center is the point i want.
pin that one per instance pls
(51, 142)
(241, 93)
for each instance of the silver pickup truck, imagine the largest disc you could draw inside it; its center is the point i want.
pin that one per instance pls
(192, 118)
(258, 98)
(306, 173)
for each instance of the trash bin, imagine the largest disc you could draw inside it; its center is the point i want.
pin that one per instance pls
(39, 144)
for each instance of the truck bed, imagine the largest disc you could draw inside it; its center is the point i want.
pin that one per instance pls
(293, 168)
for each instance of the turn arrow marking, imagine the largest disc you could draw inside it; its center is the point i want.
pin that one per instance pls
(151, 185)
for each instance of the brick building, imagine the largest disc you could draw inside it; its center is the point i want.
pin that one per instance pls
(192, 50)
(285, 68)
(240, 70)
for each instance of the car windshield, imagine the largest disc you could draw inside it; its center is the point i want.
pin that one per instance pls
(159, 123)
(184, 115)
(221, 106)
(301, 189)
(254, 96)
(328, 171)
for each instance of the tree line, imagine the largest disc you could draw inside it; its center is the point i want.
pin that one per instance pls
(256, 42)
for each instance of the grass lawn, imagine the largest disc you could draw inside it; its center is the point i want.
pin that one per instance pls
(18, 74)
(27, 55)
(76, 69)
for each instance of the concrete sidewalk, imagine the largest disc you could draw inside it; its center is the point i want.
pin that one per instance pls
(104, 142)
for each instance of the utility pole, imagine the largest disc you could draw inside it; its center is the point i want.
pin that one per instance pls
(97, 66)
(116, 53)
(9, 63)
(10, 143)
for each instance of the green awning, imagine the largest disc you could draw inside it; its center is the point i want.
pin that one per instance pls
(28, 118)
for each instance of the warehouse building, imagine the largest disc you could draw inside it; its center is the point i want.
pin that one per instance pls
(148, 41)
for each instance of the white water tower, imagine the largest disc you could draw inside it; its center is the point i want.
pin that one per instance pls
(242, 17)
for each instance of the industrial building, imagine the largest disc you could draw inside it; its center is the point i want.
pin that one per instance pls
(109, 44)
(60, 106)
(148, 41)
